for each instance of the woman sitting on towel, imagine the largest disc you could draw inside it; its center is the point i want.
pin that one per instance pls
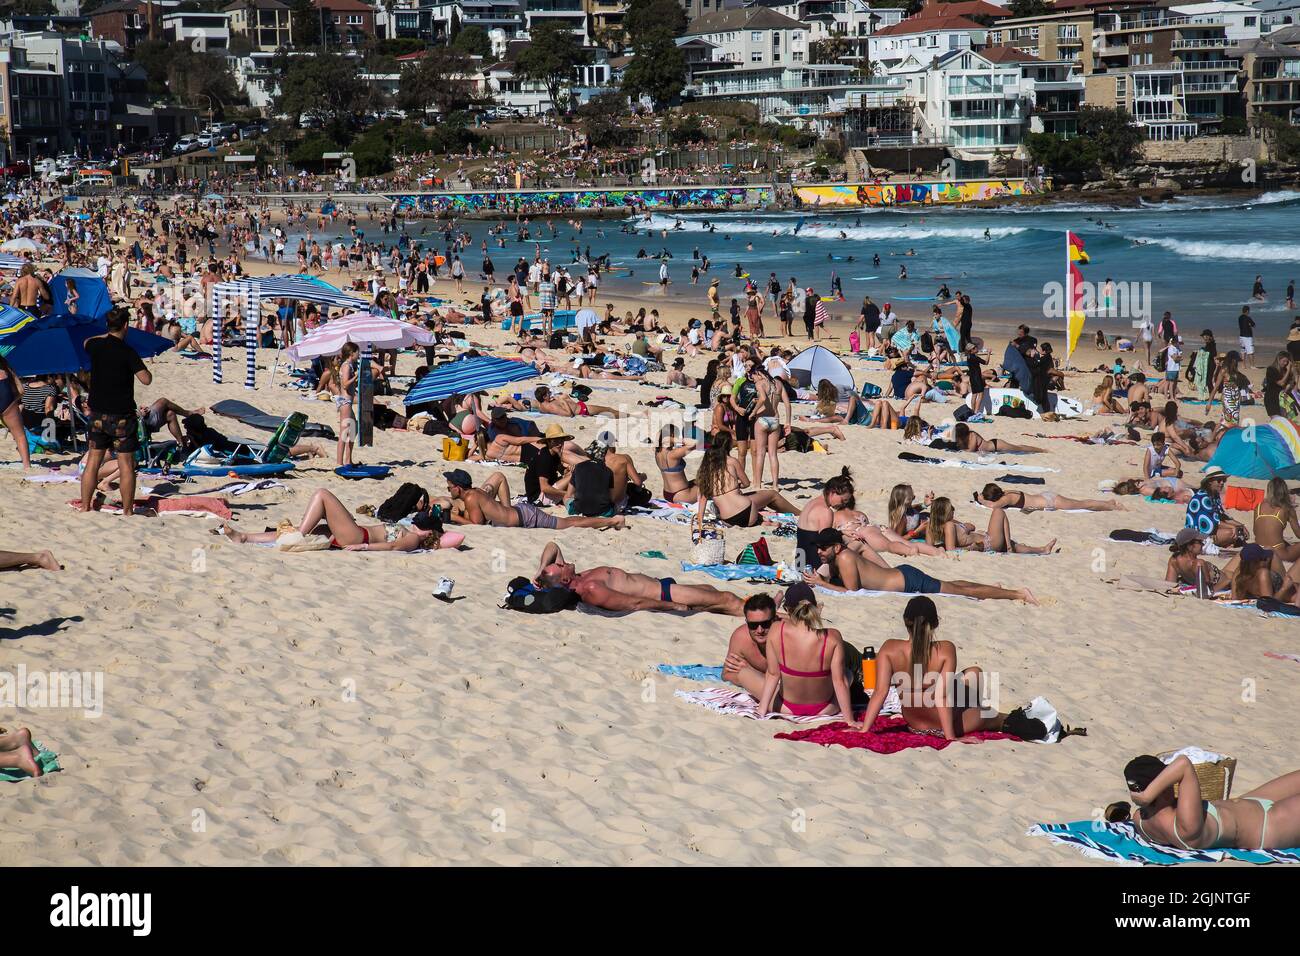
(944, 531)
(327, 515)
(1267, 818)
(968, 440)
(720, 480)
(1186, 566)
(805, 662)
(936, 698)
(1259, 576)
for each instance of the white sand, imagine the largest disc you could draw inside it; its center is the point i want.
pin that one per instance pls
(230, 732)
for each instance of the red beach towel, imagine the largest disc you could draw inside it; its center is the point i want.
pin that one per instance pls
(888, 735)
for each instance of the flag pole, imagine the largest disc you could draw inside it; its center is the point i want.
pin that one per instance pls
(1069, 349)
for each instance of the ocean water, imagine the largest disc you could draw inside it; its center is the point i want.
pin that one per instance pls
(1196, 257)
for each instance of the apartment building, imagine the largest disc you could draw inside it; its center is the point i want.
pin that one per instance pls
(1271, 73)
(207, 31)
(752, 37)
(130, 21)
(605, 22)
(936, 31)
(347, 23)
(1065, 35)
(265, 23)
(568, 13)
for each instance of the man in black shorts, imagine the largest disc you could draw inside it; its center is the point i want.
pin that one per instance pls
(114, 369)
(845, 570)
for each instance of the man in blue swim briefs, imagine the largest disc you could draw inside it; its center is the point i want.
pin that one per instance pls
(614, 589)
(845, 570)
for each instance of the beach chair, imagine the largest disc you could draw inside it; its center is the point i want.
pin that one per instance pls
(247, 459)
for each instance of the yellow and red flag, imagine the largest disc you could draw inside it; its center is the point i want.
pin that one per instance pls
(1076, 248)
(1074, 291)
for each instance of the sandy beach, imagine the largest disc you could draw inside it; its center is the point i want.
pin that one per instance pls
(319, 708)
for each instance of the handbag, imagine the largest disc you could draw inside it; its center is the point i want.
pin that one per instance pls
(709, 543)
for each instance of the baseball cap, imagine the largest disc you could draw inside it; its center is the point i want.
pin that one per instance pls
(796, 594)
(1187, 536)
(1255, 552)
(459, 477)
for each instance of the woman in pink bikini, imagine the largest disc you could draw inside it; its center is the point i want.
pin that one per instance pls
(806, 662)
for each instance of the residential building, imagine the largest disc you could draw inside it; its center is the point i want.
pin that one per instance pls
(207, 31)
(257, 78)
(266, 23)
(605, 22)
(1272, 78)
(1277, 13)
(937, 30)
(1064, 35)
(568, 13)
(346, 22)
(127, 22)
(513, 92)
(844, 24)
(754, 37)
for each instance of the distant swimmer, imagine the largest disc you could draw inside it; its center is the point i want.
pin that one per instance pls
(1138, 242)
(1257, 291)
(749, 246)
(740, 271)
(987, 235)
(902, 272)
(679, 225)
(843, 234)
(875, 259)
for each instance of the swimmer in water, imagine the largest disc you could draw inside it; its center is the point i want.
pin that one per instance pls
(986, 234)
(749, 246)
(843, 235)
(902, 272)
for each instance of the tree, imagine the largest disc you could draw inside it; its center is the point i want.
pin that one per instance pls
(1028, 8)
(1111, 134)
(324, 86)
(439, 81)
(604, 117)
(39, 8)
(657, 70)
(473, 41)
(551, 58)
(305, 23)
(646, 16)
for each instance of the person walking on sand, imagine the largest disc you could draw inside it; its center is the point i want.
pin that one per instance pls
(115, 367)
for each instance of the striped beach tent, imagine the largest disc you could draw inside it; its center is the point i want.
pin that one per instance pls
(1268, 450)
(251, 292)
(466, 376)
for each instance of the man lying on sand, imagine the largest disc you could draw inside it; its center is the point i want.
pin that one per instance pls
(614, 589)
(552, 404)
(994, 497)
(481, 507)
(843, 570)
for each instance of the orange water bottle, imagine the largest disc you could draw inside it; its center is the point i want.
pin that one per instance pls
(868, 669)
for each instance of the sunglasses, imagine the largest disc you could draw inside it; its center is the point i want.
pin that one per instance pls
(765, 625)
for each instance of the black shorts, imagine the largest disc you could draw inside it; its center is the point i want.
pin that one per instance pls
(116, 433)
(744, 428)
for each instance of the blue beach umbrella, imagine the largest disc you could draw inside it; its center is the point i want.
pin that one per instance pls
(466, 376)
(56, 344)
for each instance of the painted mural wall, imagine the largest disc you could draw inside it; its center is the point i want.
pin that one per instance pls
(541, 200)
(913, 194)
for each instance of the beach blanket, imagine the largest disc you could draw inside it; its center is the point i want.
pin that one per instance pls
(194, 506)
(46, 759)
(692, 671)
(1151, 536)
(737, 703)
(54, 478)
(888, 735)
(983, 464)
(1121, 843)
(735, 572)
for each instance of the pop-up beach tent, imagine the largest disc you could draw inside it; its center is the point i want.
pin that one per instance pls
(93, 299)
(1268, 450)
(816, 364)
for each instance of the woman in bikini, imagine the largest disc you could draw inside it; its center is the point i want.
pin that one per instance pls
(1258, 577)
(994, 497)
(936, 698)
(1266, 818)
(1273, 516)
(327, 515)
(1157, 489)
(11, 411)
(858, 530)
(805, 663)
(720, 480)
(905, 518)
(1104, 400)
(671, 459)
(944, 531)
(1186, 566)
(770, 398)
(968, 440)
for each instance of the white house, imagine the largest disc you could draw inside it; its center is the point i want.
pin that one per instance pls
(211, 30)
(752, 36)
(937, 30)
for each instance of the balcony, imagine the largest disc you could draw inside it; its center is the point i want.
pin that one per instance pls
(1212, 66)
(1224, 86)
(1201, 43)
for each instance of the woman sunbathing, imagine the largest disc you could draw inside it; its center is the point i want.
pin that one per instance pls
(1157, 489)
(858, 530)
(994, 497)
(16, 751)
(805, 662)
(1267, 817)
(720, 480)
(327, 515)
(944, 531)
(936, 698)
(968, 440)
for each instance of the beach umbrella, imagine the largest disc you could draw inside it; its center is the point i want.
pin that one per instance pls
(466, 376)
(55, 344)
(1269, 450)
(21, 244)
(11, 263)
(39, 224)
(362, 328)
(213, 197)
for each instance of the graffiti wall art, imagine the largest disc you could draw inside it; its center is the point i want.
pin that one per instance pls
(913, 194)
(542, 200)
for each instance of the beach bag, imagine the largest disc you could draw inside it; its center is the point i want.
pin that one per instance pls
(638, 496)
(523, 595)
(870, 391)
(406, 500)
(454, 450)
(854, 342)
(962, 412)
(756, 553)
(709, 544)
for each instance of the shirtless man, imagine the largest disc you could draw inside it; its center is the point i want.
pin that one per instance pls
(994, 497)
(621, 466)
(482, 507)
(31, 293)
(552, 404)
(843, 570)
(614, 589)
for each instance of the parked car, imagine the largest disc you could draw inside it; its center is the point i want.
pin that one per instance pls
(17, 168)
(186, 144)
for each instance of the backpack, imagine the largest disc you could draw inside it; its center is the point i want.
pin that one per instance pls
(798, 441)
(523, 595)
(409, 498)
(756, 553)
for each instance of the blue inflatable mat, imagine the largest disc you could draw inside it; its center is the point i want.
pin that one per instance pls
(363, 471)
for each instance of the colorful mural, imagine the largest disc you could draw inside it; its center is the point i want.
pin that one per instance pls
(914, 194)
(542, 200)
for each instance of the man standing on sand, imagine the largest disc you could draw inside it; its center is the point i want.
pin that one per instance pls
(114, 367)
(1246, 335)
(30, 291)
(614, 589)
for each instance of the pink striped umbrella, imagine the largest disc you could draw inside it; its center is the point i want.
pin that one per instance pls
(363, 328)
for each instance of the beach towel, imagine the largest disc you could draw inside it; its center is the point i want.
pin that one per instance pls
(1021, 480)
(692, 671)
(888, 735)
(736, 572)
(241, 488)
(980, 464)
(1121, 843)
(1283, 657)
(737, 703)
(194, 506)
(46, 759)
(1237, 498)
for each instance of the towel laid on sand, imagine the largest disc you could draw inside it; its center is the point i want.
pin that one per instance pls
(195, 506)
(734, 572)
(691, 671)
(888, 735)
(1121, 843)
(1283, 657)
(46, 759)
(737, 703)
(982, 464)
(1149, 536)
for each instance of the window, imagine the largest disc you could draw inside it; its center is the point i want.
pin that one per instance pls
(756, 56)
(1121, 89)
(756, 36)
